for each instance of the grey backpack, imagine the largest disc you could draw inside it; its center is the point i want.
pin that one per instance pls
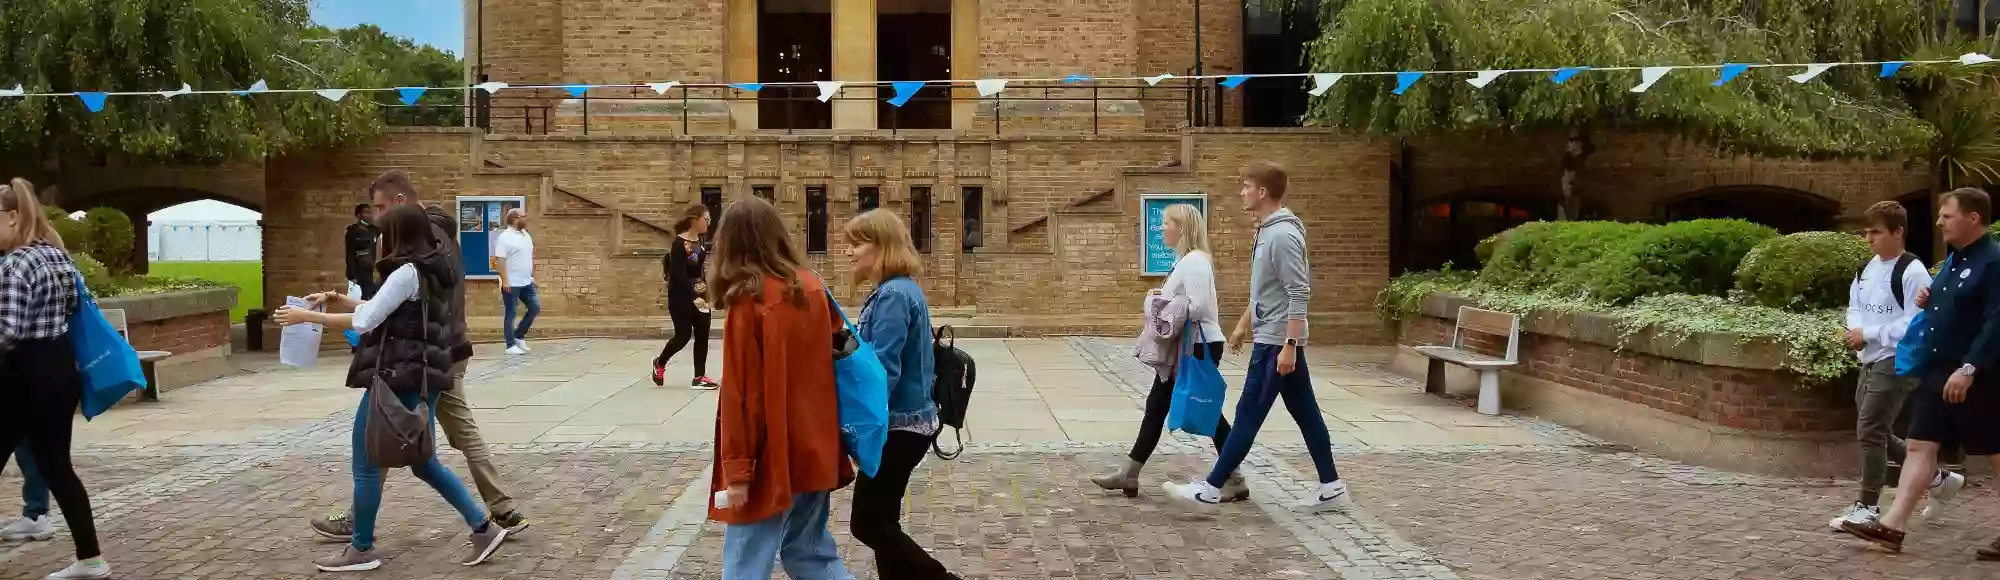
(399, 436)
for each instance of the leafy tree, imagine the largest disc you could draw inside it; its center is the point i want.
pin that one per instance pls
(403, 63)
(1847, 111)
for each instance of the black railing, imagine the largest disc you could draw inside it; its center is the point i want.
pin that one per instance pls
(534, 111)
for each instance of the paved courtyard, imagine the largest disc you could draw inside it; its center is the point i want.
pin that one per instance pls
(217, 480)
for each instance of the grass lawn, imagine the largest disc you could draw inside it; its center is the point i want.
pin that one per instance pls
(247, 277)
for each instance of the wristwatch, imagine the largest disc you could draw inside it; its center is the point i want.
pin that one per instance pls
(1966, 370)
(1292, 342)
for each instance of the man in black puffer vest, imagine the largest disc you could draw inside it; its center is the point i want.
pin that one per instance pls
(454, 414)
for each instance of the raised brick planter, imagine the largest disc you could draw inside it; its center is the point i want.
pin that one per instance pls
(194, 325)
(1710, 399)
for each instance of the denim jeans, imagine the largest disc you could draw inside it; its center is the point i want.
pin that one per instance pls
(1262, 385)
(526, 295)
(368, 479)
(799, 535)
(34, 491)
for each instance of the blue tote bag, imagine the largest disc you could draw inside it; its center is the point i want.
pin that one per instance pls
(1909, 351)
(863, 386)
(1198, 391)
(109, 365)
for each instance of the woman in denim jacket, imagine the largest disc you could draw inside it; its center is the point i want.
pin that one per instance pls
(897, 321)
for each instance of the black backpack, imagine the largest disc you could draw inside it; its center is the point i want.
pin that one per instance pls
(955, 373)
(1895, 276)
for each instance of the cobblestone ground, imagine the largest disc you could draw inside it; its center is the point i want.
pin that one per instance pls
(217, 482)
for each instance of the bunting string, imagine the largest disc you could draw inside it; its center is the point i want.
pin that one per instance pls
(903, 91)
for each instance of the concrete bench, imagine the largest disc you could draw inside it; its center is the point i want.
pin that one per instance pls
(1486, 322)
(147, 358)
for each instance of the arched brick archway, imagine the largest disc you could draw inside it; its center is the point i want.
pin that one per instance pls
(139, 202)
(1785, 209)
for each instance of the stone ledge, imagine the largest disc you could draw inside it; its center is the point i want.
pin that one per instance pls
(1716, 349)
(164, 305)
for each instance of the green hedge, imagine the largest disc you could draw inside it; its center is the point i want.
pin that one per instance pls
(1802, 271)
(1551, 256)
(1691, 257)
(104, 234)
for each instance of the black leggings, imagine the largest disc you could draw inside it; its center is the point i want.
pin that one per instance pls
(1161, 398)
(689, 324)
(44, 395)
(877, 517)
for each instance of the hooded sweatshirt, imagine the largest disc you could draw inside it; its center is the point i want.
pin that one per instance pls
(444, 230)
(1280, 278)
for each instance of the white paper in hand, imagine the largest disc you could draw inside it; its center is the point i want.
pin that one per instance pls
(298, 344)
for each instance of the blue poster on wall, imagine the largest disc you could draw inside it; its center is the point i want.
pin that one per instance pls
(1156, 258)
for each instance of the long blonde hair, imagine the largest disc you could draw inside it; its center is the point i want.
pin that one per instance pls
(31, 224)
(895, 254)
(1193, 228)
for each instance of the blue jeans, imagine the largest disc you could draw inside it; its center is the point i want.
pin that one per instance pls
(368, 479)
(527, 296)
(799, 535)
(1262, 385)
(34, 491)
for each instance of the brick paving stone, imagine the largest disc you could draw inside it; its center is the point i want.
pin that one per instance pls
(1037, 516)
(1580, 514)
(588, 508)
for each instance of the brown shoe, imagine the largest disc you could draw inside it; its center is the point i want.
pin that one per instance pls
(1991, 552)
(1874, 531)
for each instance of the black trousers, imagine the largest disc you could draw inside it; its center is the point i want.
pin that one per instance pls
(44, 394)
(1161, 398)
(689, 325)
(877, 518)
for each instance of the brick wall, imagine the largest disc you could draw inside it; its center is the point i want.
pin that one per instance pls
(181, 334)
(1757, 400)
(622, 41)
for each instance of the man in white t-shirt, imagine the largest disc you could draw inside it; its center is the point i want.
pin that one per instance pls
(1881, 302)
(514, 259)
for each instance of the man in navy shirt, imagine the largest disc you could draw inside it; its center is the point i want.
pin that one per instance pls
(1958, 398)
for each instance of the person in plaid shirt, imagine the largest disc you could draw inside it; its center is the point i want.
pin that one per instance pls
(37, 295)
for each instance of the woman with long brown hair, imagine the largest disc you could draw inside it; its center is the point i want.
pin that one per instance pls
(687, 302)
(777, 451)
(38, 294)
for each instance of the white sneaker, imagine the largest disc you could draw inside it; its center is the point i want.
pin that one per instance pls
(1332, 496)
(516, 350)
(82, 571)
(1857, 513)
(1943, 488)
(522, 344)
(1198, 495)
(24, 529)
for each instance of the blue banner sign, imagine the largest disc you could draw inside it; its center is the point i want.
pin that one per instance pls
(1156, 257)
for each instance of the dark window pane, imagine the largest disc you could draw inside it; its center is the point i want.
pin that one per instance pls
(870, 197)
(920, 218)
(816, 219)
(973, 200)
(764, 191)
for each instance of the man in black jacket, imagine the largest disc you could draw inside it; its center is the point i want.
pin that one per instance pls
(361, 250)
(454, 413)
(1957, 400)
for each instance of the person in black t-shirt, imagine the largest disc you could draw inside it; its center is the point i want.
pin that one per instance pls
(687, 300)
(360, 254)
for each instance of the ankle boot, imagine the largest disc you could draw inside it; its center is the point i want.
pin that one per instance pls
(1126, 479)
(1235, 489)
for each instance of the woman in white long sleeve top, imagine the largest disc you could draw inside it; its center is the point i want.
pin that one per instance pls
(1193, 278)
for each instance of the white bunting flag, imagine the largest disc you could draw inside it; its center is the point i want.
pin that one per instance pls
(13, 92)
(662, 88)
(491, 86)
(1485, 77)
(990, 87)
(259, 87)
(827, 89)
(1972, 58)
(1812, 71)
(334, 95)
(1322, 82)
(1155, 79)
(185, 89)
(1650, 75)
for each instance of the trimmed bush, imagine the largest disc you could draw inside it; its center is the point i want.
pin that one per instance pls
(110, 233)
(75, 234)
(95, 275)
(1802, 271)
(1690, 257)
(1549, 256)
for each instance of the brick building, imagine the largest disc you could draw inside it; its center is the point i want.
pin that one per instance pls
(1029, 204)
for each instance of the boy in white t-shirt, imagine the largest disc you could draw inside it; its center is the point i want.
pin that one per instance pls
(514, 259)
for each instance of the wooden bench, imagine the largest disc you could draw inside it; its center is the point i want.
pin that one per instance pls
(1487, 322)
(147, 358)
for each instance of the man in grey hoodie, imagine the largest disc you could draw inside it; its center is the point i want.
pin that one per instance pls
(1280, 287)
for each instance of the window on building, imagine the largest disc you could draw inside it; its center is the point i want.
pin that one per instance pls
(1450, 230)
(870, 197)
(768, 193)
(913, 41)
(973, 232)
(920, 217)
(480, 221)
(711, 196)
(794, 45)
(816, 219)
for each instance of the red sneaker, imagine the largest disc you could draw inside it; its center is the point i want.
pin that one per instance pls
(659, 375)
(705, 384)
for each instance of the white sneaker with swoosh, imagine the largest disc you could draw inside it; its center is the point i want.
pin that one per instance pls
(1332, 496)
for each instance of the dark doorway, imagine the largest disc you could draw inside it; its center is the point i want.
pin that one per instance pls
(794, 45)
(1921, 237)
(913, 43)
(1274, 42)
(1786, 210)
(1450, 230)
